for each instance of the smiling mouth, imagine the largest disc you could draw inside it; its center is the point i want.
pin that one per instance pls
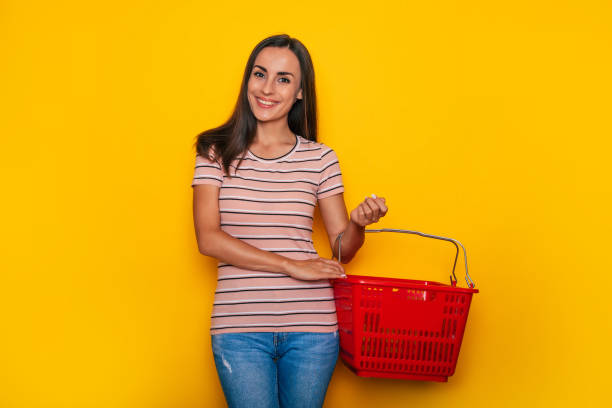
(264, 103)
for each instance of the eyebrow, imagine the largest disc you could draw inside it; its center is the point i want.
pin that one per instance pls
(278, 73)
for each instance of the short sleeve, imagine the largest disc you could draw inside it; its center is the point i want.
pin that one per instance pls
(207, 172)
(330, 182)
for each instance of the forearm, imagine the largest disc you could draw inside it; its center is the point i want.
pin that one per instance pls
(224, 247)
(352, 239)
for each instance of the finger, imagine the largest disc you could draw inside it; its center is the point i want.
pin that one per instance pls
(381, 205)
(331, 272)
(362, 216)
(384, 209)
(325, 276)
(330, 261)
(371, 210)
(338, 268)
(374, 208)
(367, 208)
(339, 274)
(335, 273)
(330, 264)
(334, 264)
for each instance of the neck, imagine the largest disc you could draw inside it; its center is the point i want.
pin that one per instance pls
(274, 133)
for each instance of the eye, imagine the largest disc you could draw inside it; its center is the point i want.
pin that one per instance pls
(258, 74)
(285, 80)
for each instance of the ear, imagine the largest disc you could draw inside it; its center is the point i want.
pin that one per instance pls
(299, 94)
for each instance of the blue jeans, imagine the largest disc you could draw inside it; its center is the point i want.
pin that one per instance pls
(275, 369)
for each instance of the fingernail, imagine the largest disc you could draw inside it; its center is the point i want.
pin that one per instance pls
(373, 195)
(343, 276)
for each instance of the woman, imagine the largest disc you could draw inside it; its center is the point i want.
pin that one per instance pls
(257, 180)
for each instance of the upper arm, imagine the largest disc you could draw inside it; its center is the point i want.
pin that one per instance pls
(207, 180)
(330, 178)
(334, 214)
(330, 196)
(206, 217)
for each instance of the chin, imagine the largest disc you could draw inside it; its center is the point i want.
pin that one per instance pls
(267, 116)
(265, 119)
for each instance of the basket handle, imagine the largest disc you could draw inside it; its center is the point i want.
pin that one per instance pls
(453, 277)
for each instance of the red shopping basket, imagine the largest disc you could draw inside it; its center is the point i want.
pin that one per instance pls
(401, 328)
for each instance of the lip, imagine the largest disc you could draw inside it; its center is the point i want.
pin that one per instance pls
(263, 106)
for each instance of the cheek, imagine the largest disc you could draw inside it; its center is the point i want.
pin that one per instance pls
(254, 84)
(289, 94)
(250, 86)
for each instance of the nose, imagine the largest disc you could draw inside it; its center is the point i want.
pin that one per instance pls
(268, 87)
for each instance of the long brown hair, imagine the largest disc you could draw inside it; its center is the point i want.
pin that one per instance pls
(233, 138)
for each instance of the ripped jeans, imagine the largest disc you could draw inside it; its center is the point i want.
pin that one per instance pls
(271, 370)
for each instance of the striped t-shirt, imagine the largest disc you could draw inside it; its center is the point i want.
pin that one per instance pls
(269, 203)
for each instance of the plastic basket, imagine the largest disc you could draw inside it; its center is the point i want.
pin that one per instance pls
(401, 328)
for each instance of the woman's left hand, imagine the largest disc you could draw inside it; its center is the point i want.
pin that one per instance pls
(369, 211)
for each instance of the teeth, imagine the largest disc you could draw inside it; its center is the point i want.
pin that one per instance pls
(266, 102)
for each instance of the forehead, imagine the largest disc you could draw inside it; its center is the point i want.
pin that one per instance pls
(276, 59)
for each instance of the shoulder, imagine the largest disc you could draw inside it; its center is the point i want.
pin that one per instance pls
(209, 157)
(318, 149)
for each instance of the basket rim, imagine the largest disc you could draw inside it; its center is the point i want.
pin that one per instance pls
(404, 283)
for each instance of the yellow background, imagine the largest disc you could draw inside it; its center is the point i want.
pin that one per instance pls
(488, 122)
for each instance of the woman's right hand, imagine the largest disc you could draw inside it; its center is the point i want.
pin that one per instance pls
(314, 269)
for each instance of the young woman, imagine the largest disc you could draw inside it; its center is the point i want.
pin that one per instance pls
(257, 180)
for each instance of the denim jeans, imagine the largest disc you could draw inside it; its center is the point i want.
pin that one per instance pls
(271, 370)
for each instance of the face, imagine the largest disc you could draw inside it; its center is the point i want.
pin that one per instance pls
(274, 84)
